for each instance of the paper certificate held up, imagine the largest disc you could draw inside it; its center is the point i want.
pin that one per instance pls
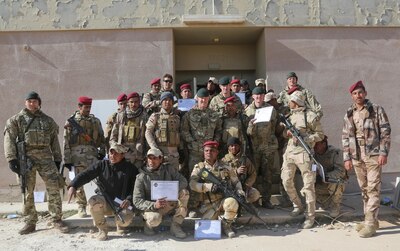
(263, 114)
(167, 189)
(186, 104)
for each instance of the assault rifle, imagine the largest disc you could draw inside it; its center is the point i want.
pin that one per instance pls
(116, 209)
(25, 166)
(228, 191)
(77, 130)
(300, 139)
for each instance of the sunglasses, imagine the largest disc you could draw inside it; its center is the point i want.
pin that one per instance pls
(167, 80)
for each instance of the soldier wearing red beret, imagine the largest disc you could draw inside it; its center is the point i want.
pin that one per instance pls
(122, 101)
(186, 91)
(235, 85)
(151, 100)
(84, 144)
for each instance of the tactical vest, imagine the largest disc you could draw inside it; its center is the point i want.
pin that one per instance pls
(167, 131)
(203, 124)
(37, 134)
(132, 130)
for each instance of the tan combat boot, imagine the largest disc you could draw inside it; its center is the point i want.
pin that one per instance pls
(367, 231)
(61, 226)
(308, 223)
(103, 233)
(296, 211)
(361, 225)
(335, 210)
(82, 212)
(27, 229)
(147, 230)
(122, 230)
(226, 227)
(176, 230)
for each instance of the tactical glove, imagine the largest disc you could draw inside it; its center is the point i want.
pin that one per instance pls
(13, 164)
(68, 166)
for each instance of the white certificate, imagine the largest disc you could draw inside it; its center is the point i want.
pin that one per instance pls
(242, 97)
(263, 114)
(167, 189)
(186, 104)
(207, 229)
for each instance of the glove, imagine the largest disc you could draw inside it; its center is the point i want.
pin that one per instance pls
(100, 156)
(58, 164)
(215, 189)
(68, 166)
(13, 164)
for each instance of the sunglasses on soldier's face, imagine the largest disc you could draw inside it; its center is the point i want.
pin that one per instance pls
(167, 80)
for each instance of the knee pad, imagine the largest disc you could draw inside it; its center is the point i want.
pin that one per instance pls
(153, 219)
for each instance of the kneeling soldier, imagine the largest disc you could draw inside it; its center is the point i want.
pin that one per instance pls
(153, 211)
(115, 178)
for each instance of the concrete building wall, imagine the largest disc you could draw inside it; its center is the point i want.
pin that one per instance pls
(120, 14)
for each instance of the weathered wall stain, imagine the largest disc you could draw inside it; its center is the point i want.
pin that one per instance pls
(114, 14)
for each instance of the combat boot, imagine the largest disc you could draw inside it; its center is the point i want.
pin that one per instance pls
(27, 229)
(61, 226)
(176, 230)
(308, 223)
(297, 211)
(82, 212)
(102, 234)
(147, 230)
(367, 231)
(335, 210)
(361, 225)
(122, 230)
(226, 227)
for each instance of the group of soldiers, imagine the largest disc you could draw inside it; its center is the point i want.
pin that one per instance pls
(149, 138)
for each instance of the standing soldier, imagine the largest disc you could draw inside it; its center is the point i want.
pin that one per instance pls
(244, 88)
(39, 133)
(186, 91)
(121, 100)
(330, 194)
(213, 202)
(311, 102)
(163, 130)
(167, 86)
(296, 157)
(235, 85)
(234, 124)
(129, 129)
(264, 144)
(366, 144)
(244, 169)
(212, 86)
(151, 100)
(217, 102)
(84, 144)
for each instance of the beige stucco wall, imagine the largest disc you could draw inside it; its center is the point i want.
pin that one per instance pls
(117, 14)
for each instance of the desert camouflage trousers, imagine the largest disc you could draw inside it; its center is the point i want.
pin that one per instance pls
(329, 194)
(228, 206)
(264, 164)
(179, 208)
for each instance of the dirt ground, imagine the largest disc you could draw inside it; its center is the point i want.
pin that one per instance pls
(340, 236)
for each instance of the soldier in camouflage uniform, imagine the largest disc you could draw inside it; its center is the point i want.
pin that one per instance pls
(330, 194)
(121, 100)
(186, 91)
(151, 100)
(43, 153)
(212, 87)
(213, 202)
(295, 157)
(83, 149)
(366, 144)
(129, 129)
(153, 211)
(217, 102)
(264, 145)
(167, 86)
(234, 124)
(163, 130)
(311, 102)
(235, 85)
(244, 169)
(244, 88)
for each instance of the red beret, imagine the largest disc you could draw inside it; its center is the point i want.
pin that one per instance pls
(121, 97)
(85, 100)
(293, 89)
(235, 81)
(230, 99)
(155, 81)
(211, 144)
(357, 85)
(133, 95)
(185, 86)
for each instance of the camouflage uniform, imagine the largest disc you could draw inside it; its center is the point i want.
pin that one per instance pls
(365, 136)
(233, 127)
(142, 195)
(163, 132)
(296, 157)
(332, 162)
(311, 102)
(152, 101)
(129, 130)
(265, 147)
(198, 126)
(213, 203)
(83, 152)
(42, 150)
(111, 120)
(217, 103)
(247, 180)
